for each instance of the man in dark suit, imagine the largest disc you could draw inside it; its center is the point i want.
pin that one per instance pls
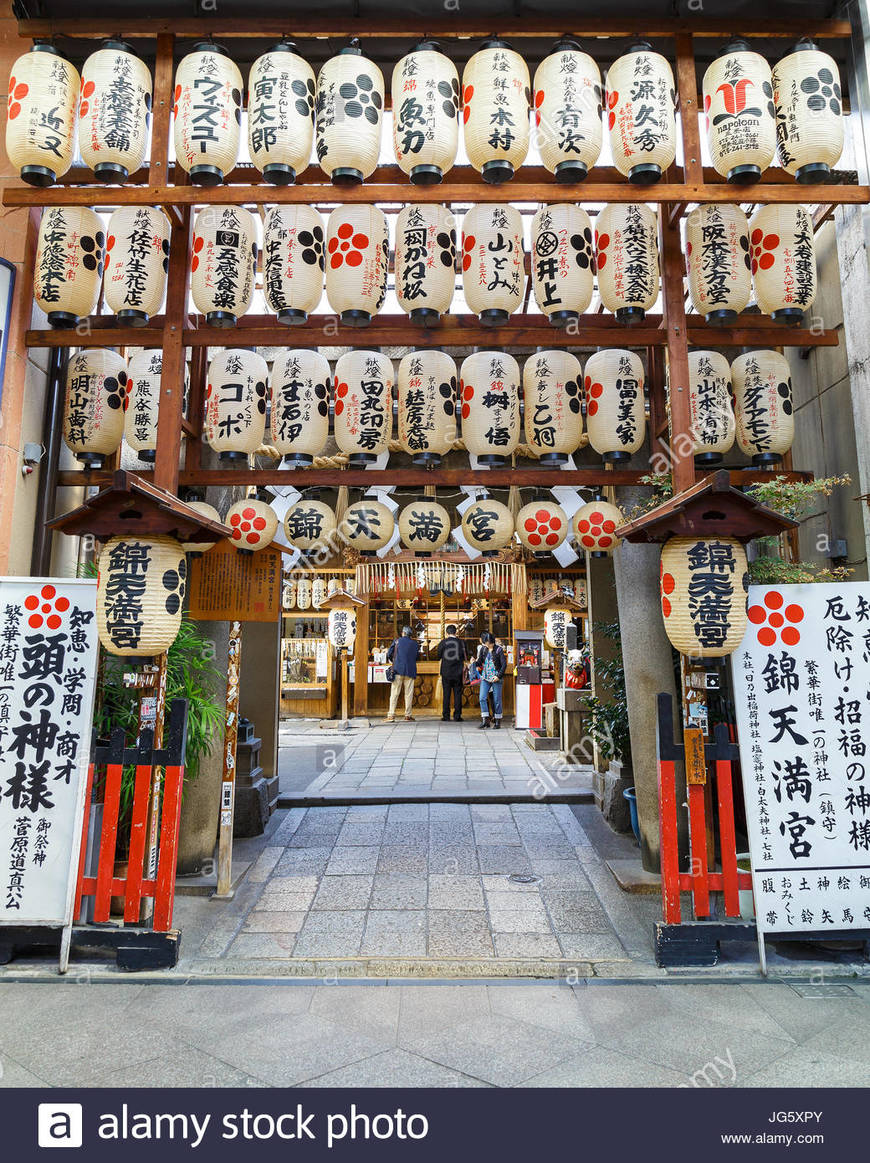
(451, 652)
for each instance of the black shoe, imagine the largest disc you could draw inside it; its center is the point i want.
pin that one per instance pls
(484, 723)
(445, 718)
(458, 719)
(496, 724)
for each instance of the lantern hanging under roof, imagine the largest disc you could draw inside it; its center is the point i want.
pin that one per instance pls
(809, 112)
(348, 115)
(703, 583)
(281, 93)
(363, 405)
(367, 526)
(710, 407)
(254, 524)
(615, 414)
(309, 526)
(496, 95)
(563, 262)
(627, 259)
(741, 119)
(594, 526)
(224, 263)
(493, 272)
(424, 526)
(293, 261)
(114, 111)
(357, 260)
(557, 619)
(489, 391)
(783, 261)
(542, 526)
(40, 115)
(488, 526)
(426, 99)
(553, 393)
(144, 371)
(718, 262)
(96, 399)
(568, 106)
(303, 593)
(341, 629)
(68, 270)
(318, 592)
(427, 405)
(198, 548)
(140, 592)
(641, 114)
(299, 420)
(425, 261)
(235, 403)
(763, 405)
(207, 113)
(137, 263)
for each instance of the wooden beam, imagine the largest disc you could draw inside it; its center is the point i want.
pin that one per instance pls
(683, 468)
(164, 78)
(687, 89)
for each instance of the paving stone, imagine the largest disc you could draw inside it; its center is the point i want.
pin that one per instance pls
(333, 933)
(455, 892)
(397, 1068)
(395, 933)
(261, 921)
(598, 1066)
(575, 911)
(530, 918)
(506, 858)
(592, 947)
(394, 890)
(518, 946)
(453, 860)
(353, 860)
(405, 858)
(459, 933)
(344, 892)
(272, 945)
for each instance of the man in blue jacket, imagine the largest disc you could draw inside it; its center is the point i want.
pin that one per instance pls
(403, 654)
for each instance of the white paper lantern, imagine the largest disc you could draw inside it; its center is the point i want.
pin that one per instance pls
(741, 119)
(763, 405)
(235, 403)
(563, 262)
(309, 526)
(144, 372)
(809, 112)
(293, 262)
(783, 261)
(710, 407)
(426, 99)
(489, 389)
(542, 526)
(318, 592)
(427, 405)
(254, 524)
(281, 93)
(348, 115)
(207, 113)
(704, 581)
(140, 591)
(363, 405)
(96, 399)
(288, 597)
(627, 259)
(595, 526)
(488, 526)
(224, 263)
(303, 593)
(198, 548)
(341, 629)
(425, 261)
(40, 115)
(493, 274)
(552, 390)
(137, 263)
(357, 260)
(641, 114)
(615, 416)
(367, 526)
(718, 262)
(299, 420)
(557, 619)
(496, 95)
(114, 111)
(70, 251)
(568, 106)
(424, 526)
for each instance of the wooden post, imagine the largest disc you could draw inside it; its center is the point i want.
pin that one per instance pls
(343, 664)
(224, 890)
(681, 446)
(361, 662)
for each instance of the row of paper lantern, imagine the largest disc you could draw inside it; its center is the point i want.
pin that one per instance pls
(751, 113)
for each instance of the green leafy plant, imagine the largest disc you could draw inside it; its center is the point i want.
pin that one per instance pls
(609, 722)
(792, 499)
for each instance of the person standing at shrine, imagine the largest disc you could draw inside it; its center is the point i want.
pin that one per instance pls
(451, 653)
(491, 666)
(403, 654)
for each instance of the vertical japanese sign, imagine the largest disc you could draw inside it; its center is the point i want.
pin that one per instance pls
(802, 689)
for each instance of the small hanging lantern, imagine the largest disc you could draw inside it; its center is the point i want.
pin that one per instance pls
(224, 263)
(281, 113)
(424, 526)
(309, 526)
(627, 260)
(496, 95)
(489, 391)
(704, 581)
(40, 115)
(318, 592)
(137, 263)
(293, 262)
(809, 112)
(299, 420)
(341, 629)
(96, 399)
(488, 526)
(357, 260)
(303, 593)
(718, 262)
(207, 113)
(425, 262)
(140, 591)
(144, 371)
(615, 415)
(70, 251)
(363, 405)
(568, 96)
(493, 274)
(198, 548)
(426, 100)
(641, 114)
(349, 109)
(542, 526)
(594, 527)
(553, 395)
(710, 405)
(557, 619)
(367, 525)
(763, 405)
(427, 405)
(235, 403)
(740, 115)
(114, 111)
(783, 261)
(288, 594)
(563, 262)
(253, 523)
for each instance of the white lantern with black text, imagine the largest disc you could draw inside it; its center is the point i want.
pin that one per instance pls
(293, 262)
(114, 111)
(299, 420)
(741, 119)
(235, 403)
(615, 414)
(357, 260)
(710, 407)
(341, 629)
(309, 526)
(348, 112)
(641, 114)
(70, 251)
(718, 261)
(224, 263)
(425, 261)
(488, 526)
(426, 100)
(627, 259)
(427, 405)
(493, 273)
(552, 390)
(568, 106)
(424, 526)
(96, 400)
(809, 112)
(496, 95)
(367, 526)
(704, 582)
(144, 372)
(363, 405)
(763, 404)
(557, 619)
(140, 591)
(137, 263)
(281, 92)
(783, 261)
(489, 391)
(207, 113)
(40, 114)
(563, 262)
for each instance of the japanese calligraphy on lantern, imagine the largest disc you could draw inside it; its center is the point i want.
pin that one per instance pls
(48, 666)
(802, 689)
(341, 629)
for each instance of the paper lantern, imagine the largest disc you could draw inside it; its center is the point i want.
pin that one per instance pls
(568, 96)
(341, 629)
(309, 526)
(542, 526)
(426, 98)
(299, 420)
(740, 116)
(489, 390)
(318, 592)
(137, 263)
(563, 262)
(552, 391)
(425, 261)
(493, 275)
(357, 260)
(140, 591)
(783, 261)
(557, 619)
(198, 548)
(427, 405)
(363, 405)
(293, 262)
(615, 416)
(488, 526)
(367, 525)
(40, 115)
(281, 93)
(763, 405)
(424, 526)
(594, 526)
(627, 260)
(254, 524)
(496, 95)
(640, 114)
(349, 110)
(207, 113)
(288, 594)
(303, 593)
(224, 263)
(235, 403)
(809, 112)
(144, 371)
(710, 406)
(96, 399)
(114, 111)
(70, 251)
(718, 262)
(703, 587)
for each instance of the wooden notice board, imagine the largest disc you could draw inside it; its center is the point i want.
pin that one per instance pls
(227, 585)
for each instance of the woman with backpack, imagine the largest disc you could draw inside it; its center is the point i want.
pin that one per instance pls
(491, 665)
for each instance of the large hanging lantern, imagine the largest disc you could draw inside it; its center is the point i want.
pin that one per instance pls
(568, 110)
(426, 99)
(641, 114)
(783, 261)
(137, 263)
(144, 372)
(254, 524)
(427, 405)
(96, 399)
(198, 548)
(363, 405)
(488, 526)
(357, 260)
(718, 262)
(341, 629)
(367, 526)
(627, 259)
(741, 119)
(557, 619)
(424, 526)
(293, 262)
(563, 262)
(553, 394)
(615, 415)
(425, 261)
(70, 251)
(235, 403)
(710, 407)
(493, 275)
(40, 115)
(809, 112)
(299, 420)
(496, 96)
(224, 263)
(140, 591)
(763, 405)
(349, 109)
(703, 588)
(309, 526)
(281, 113)
(489, 391)
(542, 526)
(207, 113)
(114, 111)
(595, 526)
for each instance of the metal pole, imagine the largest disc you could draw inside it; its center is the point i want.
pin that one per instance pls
(52, 422)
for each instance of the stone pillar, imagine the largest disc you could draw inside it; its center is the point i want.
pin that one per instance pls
(259, 693)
